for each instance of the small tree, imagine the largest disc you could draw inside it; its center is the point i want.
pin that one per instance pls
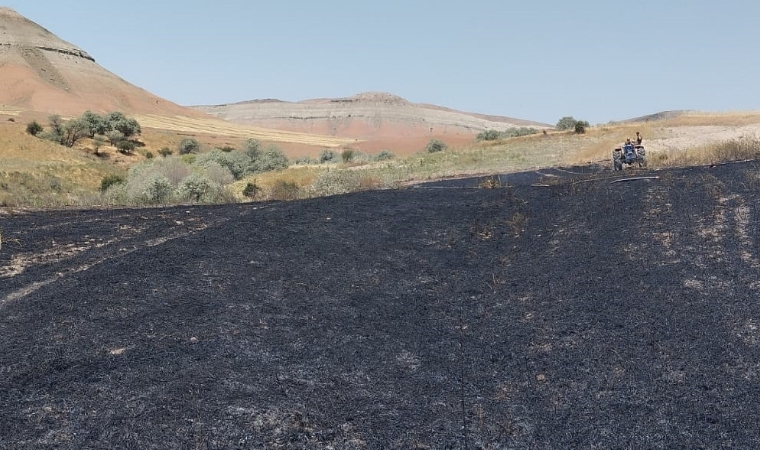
(580, 126)
(125, 147)
(95, 124)
(435, 146)
(188, 146)
(566, 123)
(73, 131)
(56, 129)
(34, 128)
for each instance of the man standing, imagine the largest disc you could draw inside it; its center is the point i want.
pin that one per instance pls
(638, 138)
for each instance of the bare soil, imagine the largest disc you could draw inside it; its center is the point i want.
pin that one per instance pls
(558, 310)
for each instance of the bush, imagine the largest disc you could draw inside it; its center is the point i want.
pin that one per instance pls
(146, 186)
(272, 158)
(110, 180)
(114, 137)
(34, 128)
(384, 155)
(227, 149)
(347, 155)
(218, 174)
(252, 148)
(488, 135)
(195, 188)
(164, 152)
(148, 155)
(327, 156)
(285, 191)
(251, 189)
(125, 147)
(435, 146)
(580, 126)
(237, 163)
(188, 146)
(566, 123)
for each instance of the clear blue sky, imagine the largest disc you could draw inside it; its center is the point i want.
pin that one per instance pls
(596, 60)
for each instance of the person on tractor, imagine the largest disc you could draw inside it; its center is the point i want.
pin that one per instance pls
(638, 138)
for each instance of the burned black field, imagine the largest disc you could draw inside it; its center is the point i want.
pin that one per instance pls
(549, 312)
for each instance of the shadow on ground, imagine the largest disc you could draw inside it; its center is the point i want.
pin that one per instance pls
(555, 310)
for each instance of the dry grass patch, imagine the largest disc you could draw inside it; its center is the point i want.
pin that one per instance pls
(732, 150)
(218, 127)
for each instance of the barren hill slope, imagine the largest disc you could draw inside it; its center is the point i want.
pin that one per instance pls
(564, 313)
(383, 120)
(41, 72)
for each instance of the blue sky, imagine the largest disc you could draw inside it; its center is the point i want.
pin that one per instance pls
(596, 60)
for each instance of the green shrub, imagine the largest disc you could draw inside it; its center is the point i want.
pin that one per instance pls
(580, 126)
(273, 158)
(154, 189)
(252, 148)
(488, 135)
(217, 173)
(164, 152)
(327, 156)
(238, 163)
(251, 189)
(110, 180)
(435, 146)
(195, 188)
(34, 128)
(189, 146)
(384, 155)
(125, 147)
(114, 137)
(566, 123)
(348, 155)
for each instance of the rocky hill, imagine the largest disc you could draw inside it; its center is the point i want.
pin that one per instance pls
(380, 119)
(43, 73)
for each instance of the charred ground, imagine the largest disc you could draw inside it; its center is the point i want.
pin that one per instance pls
(557, 310)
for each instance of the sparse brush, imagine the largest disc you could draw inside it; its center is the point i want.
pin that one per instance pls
(492, 182)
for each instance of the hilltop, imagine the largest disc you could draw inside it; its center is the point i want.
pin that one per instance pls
(379, 120)
(39, 72)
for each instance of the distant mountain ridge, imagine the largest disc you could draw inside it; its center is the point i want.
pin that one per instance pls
(379, 119)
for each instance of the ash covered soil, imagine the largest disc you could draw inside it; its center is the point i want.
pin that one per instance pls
(559, 310)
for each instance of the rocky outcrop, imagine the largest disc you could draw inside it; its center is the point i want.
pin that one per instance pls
(40, 72)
